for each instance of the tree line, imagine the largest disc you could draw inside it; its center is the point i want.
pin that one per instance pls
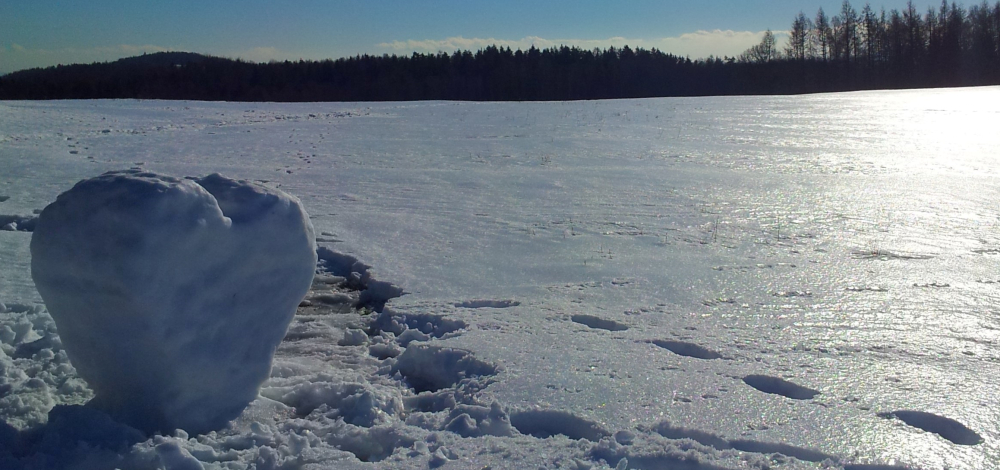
(868, 49)
(852, 50)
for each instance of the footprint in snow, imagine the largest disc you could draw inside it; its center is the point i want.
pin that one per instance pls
(947, 428)
(428, 368)
(779, 386)
(488, 304)
(547, 423)
(598, 323)
(666, 429)
(683, 348)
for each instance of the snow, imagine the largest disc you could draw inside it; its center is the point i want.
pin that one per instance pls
(170, 296)
(703, 283)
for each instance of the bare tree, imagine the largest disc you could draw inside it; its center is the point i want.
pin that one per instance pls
(870, 40)
(848, 36)
(763, 52)
(821, 35)
(798, 38)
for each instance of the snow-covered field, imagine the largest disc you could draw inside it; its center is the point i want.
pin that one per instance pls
(699, 283)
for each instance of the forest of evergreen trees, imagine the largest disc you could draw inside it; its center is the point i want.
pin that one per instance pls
(851, 50)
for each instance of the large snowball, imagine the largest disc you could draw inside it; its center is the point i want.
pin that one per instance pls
(171, 295)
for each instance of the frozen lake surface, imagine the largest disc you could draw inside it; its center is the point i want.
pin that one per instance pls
(731, 282)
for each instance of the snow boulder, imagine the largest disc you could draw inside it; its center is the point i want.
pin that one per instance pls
(171, 295)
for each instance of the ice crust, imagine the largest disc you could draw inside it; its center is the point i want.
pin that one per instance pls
(171, 295)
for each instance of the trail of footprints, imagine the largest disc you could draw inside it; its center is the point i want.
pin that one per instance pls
(947, 428)
(445, 382)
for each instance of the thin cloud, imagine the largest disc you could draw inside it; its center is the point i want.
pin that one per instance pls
(698, 44)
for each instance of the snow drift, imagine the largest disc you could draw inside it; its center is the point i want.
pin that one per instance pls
(171, 295)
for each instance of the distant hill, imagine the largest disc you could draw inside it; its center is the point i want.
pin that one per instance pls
(160, 75)
(156, 59)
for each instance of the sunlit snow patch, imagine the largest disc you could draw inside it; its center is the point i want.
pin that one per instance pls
(171, 295)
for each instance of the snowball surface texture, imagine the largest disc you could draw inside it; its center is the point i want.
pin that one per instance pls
(171, 295)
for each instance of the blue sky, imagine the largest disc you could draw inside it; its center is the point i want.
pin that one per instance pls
(37, 33)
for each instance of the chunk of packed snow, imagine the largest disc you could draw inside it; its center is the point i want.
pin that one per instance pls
(171, 295)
